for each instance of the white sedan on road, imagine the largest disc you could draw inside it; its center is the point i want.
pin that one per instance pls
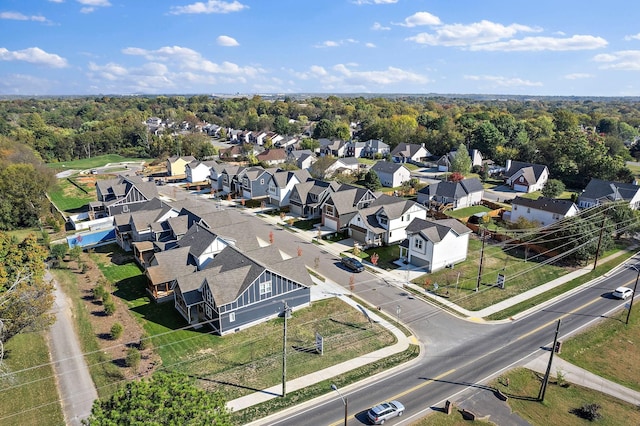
(622, 293)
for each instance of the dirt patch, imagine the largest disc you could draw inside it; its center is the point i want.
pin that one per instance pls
(101, 324)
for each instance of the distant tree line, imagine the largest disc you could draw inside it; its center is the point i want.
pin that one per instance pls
(577, 139)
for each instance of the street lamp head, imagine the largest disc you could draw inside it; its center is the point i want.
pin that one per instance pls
(334, 387)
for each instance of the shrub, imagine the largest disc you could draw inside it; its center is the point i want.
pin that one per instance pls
(132, 359)
(99, 292)
(109, 307)
(116, 330)
(145, 342)
(589, 412)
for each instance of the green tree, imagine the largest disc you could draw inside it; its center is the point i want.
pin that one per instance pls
(486, 138)
(310, 144)
(324, 129)
(461, 161)
(164, 399)
(59, 251)
(553, 188)
(25, 297)
(372, 181)
(116, 331)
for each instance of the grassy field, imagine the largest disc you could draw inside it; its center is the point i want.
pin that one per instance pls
(28, 377)
(609, 349)
(250, 360)
(466, 212)
(89, 163)
(69, 198)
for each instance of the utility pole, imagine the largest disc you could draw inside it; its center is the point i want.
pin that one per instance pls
(630, 304)
(595, 262)
(481, 260)
(545, 381)
(286, 313)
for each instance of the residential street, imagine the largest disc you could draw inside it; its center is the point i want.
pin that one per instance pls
(75, 386)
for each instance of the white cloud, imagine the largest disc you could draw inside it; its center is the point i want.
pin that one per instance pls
(624, 60)
(536, 44)
(188, 59)
(578, 76)
(56, 1)
(419, 19)
(33, 55)
(632, 37)
(23, 84)
(472, 34)
(335, 43)
(370, 45)
(377, 26)
(17, 16)
(87, 10)
(99, 3)
(499, 81)
(359, 2)
(211, 6)
(224, 40)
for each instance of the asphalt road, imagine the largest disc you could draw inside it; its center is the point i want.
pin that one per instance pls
(464, 356)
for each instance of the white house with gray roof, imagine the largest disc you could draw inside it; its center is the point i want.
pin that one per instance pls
(282, 183)
(544, 211)
(525, 177)
(340, 206)
(385, 221)
(410, 152)
(391, 174)
(600, 192)
(435, 244)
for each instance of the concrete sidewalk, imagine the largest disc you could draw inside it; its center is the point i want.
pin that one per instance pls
(579, 376)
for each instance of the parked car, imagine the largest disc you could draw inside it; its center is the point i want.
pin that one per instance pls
(622, 292)
(385, 411)
(94, 171)
(353, 264)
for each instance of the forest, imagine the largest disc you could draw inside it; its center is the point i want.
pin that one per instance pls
(576, 138)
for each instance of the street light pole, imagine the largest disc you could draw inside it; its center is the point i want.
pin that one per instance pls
(344, 401)
(286, 313)
(633, 294)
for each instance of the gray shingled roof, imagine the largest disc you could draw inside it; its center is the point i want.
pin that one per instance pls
(531, 176)
(454, 190)
(551, 205)
(171, 264)
(436, 230)
(387, 167)
(198, 238)
(603, 190)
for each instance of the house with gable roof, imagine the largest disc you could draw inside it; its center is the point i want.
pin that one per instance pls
(385, 221)
(272, 157)
(215, 176)
(231, 183)
(115, 194)
(254, 182)
(241, 289)
(599, 192)
(435, 244)
(282, 183)
(391, 174)
(198, 171)
(307, 197)
(525, 177)
(303, 158)
(410, 152)
(544, 211)
(340, 206)
(444, 162)
(457, 195)
(335, 148)
(176, 164)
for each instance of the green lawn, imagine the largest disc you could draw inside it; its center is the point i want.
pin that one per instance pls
(609, 349)
(88, 163)
(461, 281)
(466, 212)
(27, 383)
(69, 198)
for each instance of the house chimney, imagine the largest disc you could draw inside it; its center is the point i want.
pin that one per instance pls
(507, 165)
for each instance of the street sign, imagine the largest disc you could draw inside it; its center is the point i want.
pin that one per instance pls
(319, 343)
(500, 281)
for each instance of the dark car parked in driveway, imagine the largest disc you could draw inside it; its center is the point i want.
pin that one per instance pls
(353, 264)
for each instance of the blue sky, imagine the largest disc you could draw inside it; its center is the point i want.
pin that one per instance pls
(543, 47)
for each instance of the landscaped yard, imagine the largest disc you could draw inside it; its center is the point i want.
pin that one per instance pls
(27, 383)
(69, 198)
(249, 360)
(467, 211)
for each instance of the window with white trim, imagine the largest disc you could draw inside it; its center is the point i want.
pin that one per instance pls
(418, 243)
(265, 288)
